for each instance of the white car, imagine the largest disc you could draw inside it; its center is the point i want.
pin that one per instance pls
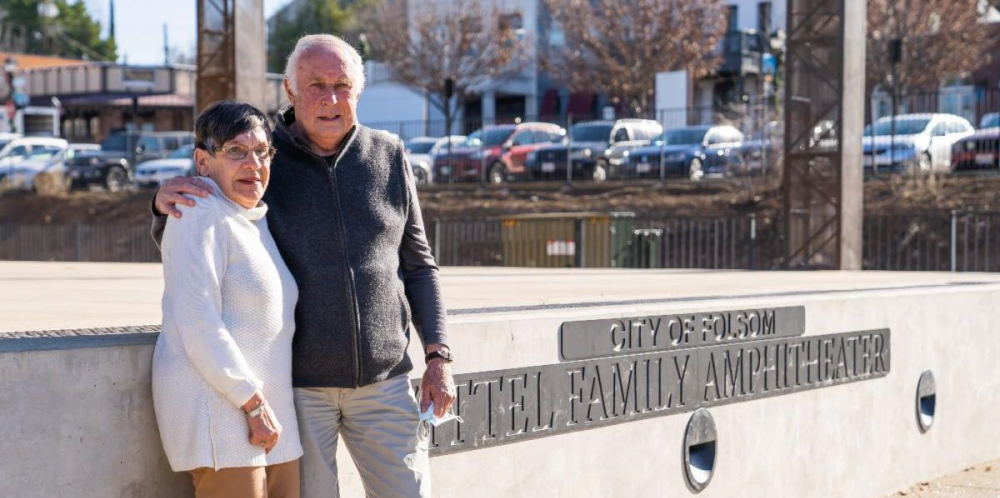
(18, 149)
(152, 174)
(43, 170)
(421, 151)
(922, 142)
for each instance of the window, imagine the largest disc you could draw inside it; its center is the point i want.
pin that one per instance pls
(149, 143)
(940, 129)
(18, 151)
(170, 143)
(42, 153)
(540, 137)
(524, 138)
(512, 22)
(621, 135)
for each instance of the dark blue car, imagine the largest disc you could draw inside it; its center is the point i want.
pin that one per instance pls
(692, 152)
(589, 148)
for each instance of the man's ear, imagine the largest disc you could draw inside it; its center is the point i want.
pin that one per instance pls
(288, 91)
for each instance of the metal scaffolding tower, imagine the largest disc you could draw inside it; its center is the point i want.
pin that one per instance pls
(231, 51)
(824, 113)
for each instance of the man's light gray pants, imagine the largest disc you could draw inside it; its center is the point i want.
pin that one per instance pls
(380, 425)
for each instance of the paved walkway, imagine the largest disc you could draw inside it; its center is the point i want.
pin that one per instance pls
(45, 296)
(980, 481)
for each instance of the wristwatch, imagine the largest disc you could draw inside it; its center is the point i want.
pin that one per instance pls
(256, 411)
(444, 354)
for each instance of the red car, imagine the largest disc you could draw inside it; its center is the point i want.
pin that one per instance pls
(500, 148)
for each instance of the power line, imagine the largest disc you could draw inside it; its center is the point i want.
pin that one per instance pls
(70, 41)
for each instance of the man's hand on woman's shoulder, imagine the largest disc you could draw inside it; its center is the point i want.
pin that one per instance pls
(173, 192)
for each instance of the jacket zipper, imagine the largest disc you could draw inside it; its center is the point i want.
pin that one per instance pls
(351, 291)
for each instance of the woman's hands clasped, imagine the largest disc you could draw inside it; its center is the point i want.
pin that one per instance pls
(264, 427)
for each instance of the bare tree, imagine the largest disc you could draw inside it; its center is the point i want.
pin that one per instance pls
(940, 39)
(618, 46)
(472, 45)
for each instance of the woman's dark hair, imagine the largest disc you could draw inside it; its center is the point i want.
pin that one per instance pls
(225, 119)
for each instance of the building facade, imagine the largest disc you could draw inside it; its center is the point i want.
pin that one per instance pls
(96, 99)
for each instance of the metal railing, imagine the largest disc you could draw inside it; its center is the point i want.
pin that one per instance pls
(948, 241)
(96, 243)
(928, 241)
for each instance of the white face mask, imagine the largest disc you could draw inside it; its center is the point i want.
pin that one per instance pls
(428, 416)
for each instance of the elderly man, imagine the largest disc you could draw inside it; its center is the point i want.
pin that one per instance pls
(343, 211)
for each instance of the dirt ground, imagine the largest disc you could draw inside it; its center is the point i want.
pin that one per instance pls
(708, 198)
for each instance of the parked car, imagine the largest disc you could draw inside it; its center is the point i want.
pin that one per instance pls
(152, 174)
(923, 142)
(501, 148)
(111, 167)
(979, 151)
(43, 170)
(692, 152)
(763, 148)
(5, 138)
(421, 152)
(17, 149)
(586, 146)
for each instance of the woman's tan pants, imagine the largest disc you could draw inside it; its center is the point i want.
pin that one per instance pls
(273, 481)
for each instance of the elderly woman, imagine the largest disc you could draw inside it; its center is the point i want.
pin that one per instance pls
(222, 371)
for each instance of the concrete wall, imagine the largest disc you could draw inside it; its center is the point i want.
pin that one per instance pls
(78, 416)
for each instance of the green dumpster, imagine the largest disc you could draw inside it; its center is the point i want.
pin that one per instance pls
(558, 240)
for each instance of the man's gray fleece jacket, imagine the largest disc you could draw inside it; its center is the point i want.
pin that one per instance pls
(353, 237)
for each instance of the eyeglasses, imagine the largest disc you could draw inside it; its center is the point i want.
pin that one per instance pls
(237, 152)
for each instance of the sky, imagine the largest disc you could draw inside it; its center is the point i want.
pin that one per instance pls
(139, 26)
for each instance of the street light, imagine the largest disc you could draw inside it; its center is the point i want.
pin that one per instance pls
(9, 66)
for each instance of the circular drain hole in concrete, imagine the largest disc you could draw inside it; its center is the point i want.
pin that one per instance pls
(699, 450)
(926, 400)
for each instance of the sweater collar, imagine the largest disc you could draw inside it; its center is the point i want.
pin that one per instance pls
(283, 131)
(252, 214)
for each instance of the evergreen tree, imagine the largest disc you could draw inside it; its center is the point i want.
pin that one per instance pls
(71, 33)
(306, 17)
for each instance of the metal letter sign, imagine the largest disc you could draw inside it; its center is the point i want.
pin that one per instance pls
(596, 338)
(639, 367)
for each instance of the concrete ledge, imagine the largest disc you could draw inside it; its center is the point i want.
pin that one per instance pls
(78, 412)
(78, 338)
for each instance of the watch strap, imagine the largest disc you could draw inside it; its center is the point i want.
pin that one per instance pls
(443, 354)
(256, 411)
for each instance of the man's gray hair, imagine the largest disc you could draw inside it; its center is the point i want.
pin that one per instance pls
(350, 56)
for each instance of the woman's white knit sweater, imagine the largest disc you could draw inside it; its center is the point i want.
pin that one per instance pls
(228, 320)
